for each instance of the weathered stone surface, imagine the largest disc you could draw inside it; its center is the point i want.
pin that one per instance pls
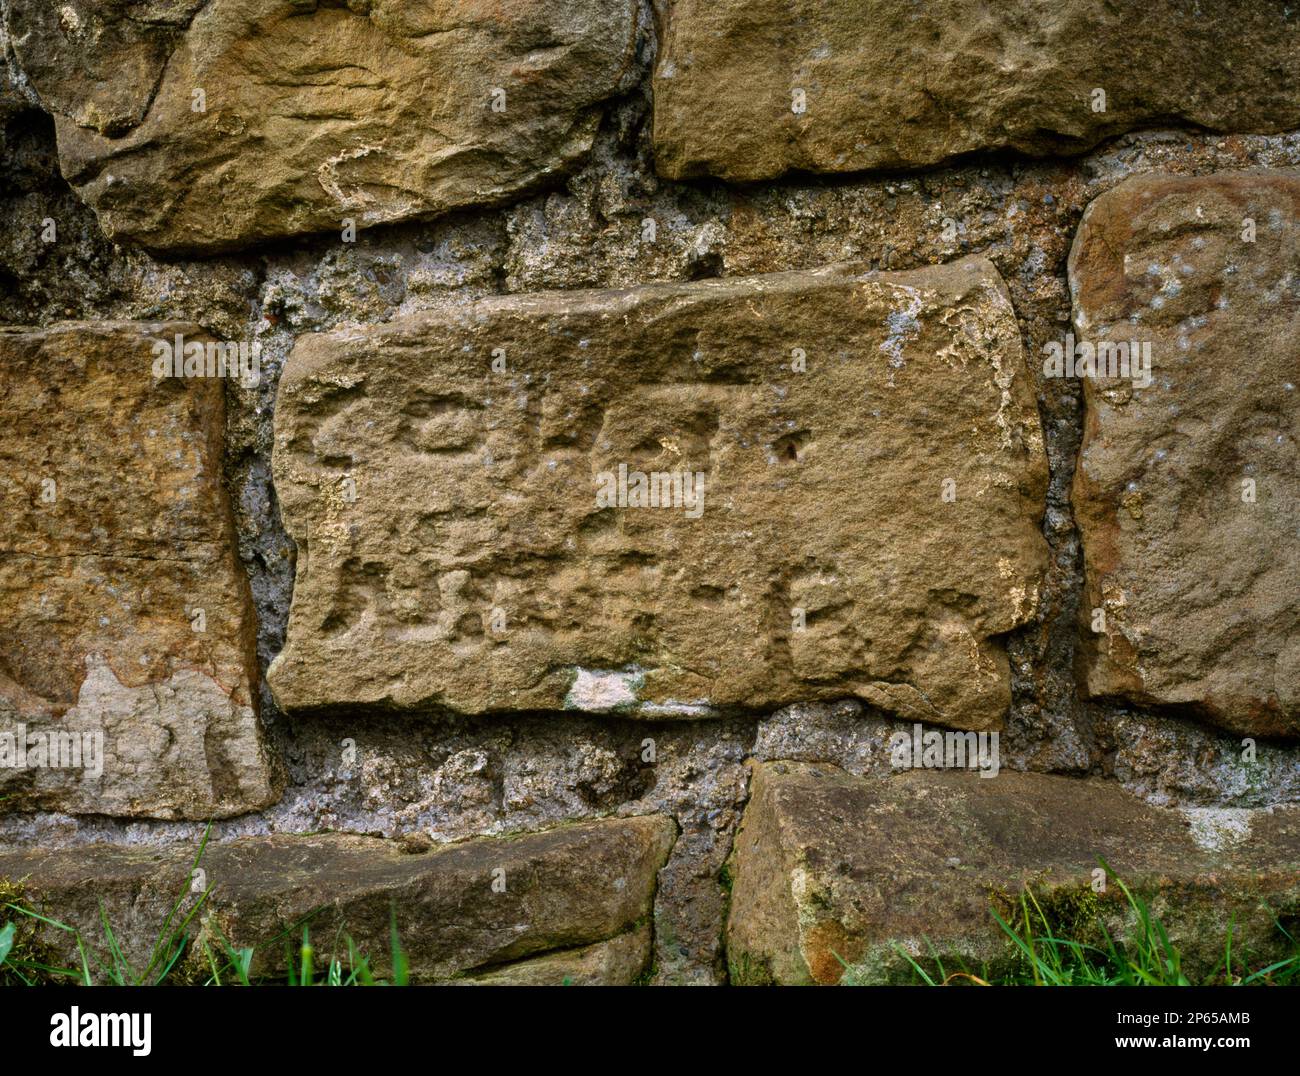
(616, 962)
(452, 552)
(118, 533)
(893, 83)
(831, 870)
(98, 63)
(1199, 583)
(314, 112)
(576, 899)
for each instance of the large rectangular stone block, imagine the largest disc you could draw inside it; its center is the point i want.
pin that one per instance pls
(204, 126)
(855, 460)
(750, 89)
(1187, 490)
(840, 877)
(571, 903)
(127, 667)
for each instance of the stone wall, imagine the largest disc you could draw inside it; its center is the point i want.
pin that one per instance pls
(831, 271)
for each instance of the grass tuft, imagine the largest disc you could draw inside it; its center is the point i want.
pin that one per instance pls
(179, 954)
(1079, 950)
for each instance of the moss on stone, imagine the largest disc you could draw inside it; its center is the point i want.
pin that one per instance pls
(28, 946)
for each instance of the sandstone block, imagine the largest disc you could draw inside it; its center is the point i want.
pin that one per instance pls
(750, 89)
(202, 127)
(860, 475)
(127, 667)
(573, 902)
(833, 874)
(1187, 491)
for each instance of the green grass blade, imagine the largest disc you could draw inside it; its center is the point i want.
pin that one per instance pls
(401, 968)
(915, 966)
